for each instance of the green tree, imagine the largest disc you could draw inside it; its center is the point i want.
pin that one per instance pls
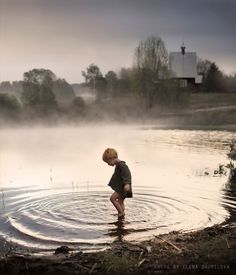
(151, 67)
(95, 80)
(213, 81)
(48, 99)
(124, 82)
(64, 92)
(5, 86)
(9, 106)
(111, 81)
(78, 105)
(230, 81)
(38, 90)
(92, 75)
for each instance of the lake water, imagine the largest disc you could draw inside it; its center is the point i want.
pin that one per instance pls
(53, 184)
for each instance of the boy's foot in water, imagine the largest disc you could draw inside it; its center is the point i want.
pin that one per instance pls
(121, 215)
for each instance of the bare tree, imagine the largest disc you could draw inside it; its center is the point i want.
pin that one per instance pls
(203, 67)
(151, 65)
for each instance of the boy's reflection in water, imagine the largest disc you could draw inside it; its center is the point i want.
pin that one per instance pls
(119, 230)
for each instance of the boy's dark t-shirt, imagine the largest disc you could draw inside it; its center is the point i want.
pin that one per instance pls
(120, 176)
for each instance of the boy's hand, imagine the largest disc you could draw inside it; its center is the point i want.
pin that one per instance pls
(126, 187)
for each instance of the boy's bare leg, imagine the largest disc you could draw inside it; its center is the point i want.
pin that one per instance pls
(121, 201)
(115, 201)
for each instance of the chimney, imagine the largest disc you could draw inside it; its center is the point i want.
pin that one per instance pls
(183, 49)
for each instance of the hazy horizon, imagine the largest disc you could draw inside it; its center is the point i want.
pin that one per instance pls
(66, 36)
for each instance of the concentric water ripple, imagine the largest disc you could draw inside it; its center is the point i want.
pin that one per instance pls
(46, 219)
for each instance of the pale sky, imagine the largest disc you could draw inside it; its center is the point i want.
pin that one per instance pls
(66, 36)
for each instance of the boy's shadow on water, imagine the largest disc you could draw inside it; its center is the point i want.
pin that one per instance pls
(119, 230)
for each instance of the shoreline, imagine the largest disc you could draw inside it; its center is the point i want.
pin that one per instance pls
(154, 124)
(211, 250)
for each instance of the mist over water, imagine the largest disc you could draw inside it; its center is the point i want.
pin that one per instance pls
(54, 190)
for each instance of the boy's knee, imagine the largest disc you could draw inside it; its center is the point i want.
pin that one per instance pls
(111, 199)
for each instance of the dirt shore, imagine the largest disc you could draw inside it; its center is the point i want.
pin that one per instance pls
(209, 251)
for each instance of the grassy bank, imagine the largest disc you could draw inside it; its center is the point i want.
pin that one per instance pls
(206, 100)
(212, 250)
(206, 118)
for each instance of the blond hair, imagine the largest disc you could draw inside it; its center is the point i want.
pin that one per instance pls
(109, 153)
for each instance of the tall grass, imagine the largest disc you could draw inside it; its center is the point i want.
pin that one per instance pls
(117, 263)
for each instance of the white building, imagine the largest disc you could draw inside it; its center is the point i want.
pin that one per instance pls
(183, 66)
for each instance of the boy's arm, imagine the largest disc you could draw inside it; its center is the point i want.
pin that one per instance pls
(126, 187)
(126, 177)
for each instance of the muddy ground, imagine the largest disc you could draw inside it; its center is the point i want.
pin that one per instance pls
(209, 251)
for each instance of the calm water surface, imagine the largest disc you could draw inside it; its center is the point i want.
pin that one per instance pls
(54, 190)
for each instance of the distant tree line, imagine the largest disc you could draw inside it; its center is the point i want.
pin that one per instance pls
(214, 81)
(41, 94)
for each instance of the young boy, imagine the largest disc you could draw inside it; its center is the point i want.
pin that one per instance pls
(120, 181)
